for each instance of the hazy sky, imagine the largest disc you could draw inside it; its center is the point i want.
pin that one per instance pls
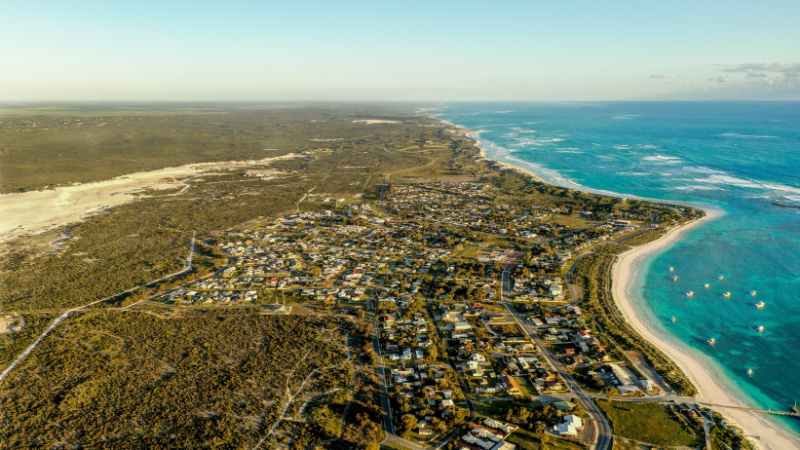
(399, 50)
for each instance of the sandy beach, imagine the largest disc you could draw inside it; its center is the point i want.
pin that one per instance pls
(759, 430)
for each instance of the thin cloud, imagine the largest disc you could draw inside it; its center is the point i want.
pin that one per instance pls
(765, 67)
(720, 79)
(659, 76)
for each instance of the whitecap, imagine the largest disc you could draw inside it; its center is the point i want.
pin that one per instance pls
(780, 187)
(698, 188)
(727, 179)
(746, 136)
(667, 159)
(701, 169)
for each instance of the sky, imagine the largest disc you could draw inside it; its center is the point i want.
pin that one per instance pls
(410, 51)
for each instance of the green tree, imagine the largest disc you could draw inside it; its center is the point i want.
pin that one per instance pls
(611, 391)
(408, 422)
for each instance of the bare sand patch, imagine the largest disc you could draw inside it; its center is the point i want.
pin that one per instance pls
(374, 121)
(34, 212)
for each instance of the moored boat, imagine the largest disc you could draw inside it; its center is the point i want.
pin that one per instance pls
(690, 293)
(760, 305)
(726, 295)
(760, 328)
(712, 341)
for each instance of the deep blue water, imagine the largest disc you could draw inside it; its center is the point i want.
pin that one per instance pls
(737, 157)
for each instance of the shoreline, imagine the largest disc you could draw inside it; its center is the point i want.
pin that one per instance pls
(761, 432)
(623, 276)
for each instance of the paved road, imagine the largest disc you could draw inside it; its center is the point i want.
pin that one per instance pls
(603, 436)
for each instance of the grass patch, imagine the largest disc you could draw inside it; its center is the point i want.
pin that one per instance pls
(648, 422)
(570, 222)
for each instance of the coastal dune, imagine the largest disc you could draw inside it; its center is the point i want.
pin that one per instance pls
(34, 212)
(624, 271)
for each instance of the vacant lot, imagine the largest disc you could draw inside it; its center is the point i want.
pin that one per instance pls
(648, 422)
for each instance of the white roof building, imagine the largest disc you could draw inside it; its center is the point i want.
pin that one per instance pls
(571, 425)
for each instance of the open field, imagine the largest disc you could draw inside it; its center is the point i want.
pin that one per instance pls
(649, 422)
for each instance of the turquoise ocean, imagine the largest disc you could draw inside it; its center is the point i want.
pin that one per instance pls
(734, 157)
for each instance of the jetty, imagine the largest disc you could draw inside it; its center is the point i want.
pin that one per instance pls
(792, 413)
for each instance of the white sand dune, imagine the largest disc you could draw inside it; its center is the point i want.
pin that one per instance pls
(34, 212)
(758, 428)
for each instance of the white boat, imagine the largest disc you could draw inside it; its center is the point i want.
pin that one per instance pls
(721, 277)
(760, 328)
(749, 371)
(674, 278)
(760, 305)
(674, 319)
(671, 269)
(726, 295)
(707, 285)
(753, 293)
(712, 341)
(690, 293)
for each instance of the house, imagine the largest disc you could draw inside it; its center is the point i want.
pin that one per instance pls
(477, 357)
(461, 326)
(447, 403)
(570, 427)
(510, 384)
(649, 386)
(503, 445)
(555, 289)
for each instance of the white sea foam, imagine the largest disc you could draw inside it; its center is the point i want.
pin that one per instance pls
(661, 158)
(701, 169)
(780, 187)
(727, 179)
(746, 136)
(699, 187)
(523, 130)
